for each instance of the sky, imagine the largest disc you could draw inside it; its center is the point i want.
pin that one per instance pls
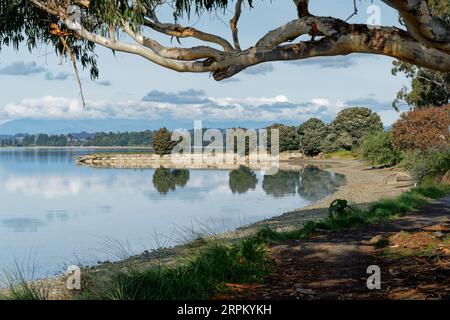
(38, 86)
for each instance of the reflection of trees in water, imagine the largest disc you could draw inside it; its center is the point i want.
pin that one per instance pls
(165, 180)
(316, 183)
(23, 224)
(281, 184)
(311, 183)
(242, 180)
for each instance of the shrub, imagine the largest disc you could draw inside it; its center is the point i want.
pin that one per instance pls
(434, 163)
(339, 208)
(422, 128)
(379, 150)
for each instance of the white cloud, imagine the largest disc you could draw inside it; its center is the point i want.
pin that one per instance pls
(321, 102)
(277, 108)
(249, 101)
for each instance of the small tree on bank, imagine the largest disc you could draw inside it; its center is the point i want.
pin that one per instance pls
(162, 142)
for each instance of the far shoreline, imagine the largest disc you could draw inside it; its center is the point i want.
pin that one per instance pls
(77, 147)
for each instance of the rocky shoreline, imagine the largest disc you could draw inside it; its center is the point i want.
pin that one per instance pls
(189, 161)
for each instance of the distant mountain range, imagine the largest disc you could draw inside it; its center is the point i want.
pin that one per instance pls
(115, 125)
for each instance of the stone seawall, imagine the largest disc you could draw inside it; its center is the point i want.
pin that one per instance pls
(153, 161)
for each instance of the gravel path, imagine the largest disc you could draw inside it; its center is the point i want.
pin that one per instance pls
(414, 262)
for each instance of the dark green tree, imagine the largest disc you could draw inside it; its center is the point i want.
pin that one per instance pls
(162, 142)
(349, 128)
(312, 133)
(288, 136)
(428, 87)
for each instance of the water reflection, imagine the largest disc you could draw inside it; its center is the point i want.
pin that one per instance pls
(51, 205)
(282, 183)
(165, 180)
(242, 180)
(316, 184)
(311, 183)
(23, 224)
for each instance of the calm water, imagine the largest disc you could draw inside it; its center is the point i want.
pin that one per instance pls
(54, 212)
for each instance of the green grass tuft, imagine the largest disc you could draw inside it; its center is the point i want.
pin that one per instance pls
(206, 274)
(341, 154)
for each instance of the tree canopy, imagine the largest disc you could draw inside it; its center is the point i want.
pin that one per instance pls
(162, 142)
(350, 127)
(312, 134)
(423, 129)
(121, 25)
(288, 137)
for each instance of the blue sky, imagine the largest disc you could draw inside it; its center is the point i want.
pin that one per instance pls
(36, 86)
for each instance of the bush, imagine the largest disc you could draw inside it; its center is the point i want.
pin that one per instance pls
(433, 164)
(422, 129)
(339, 208)
(379, 150)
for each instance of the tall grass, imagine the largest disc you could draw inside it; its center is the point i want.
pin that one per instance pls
(21, 284)
(199, 278)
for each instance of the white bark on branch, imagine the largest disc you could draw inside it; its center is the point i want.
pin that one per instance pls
(425, 44)
(178, 31)
(421, 24)
(233, 24)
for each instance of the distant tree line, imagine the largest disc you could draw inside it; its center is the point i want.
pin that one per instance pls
(101, 139)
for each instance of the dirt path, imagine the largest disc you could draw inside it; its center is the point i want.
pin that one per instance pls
(413, 253)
